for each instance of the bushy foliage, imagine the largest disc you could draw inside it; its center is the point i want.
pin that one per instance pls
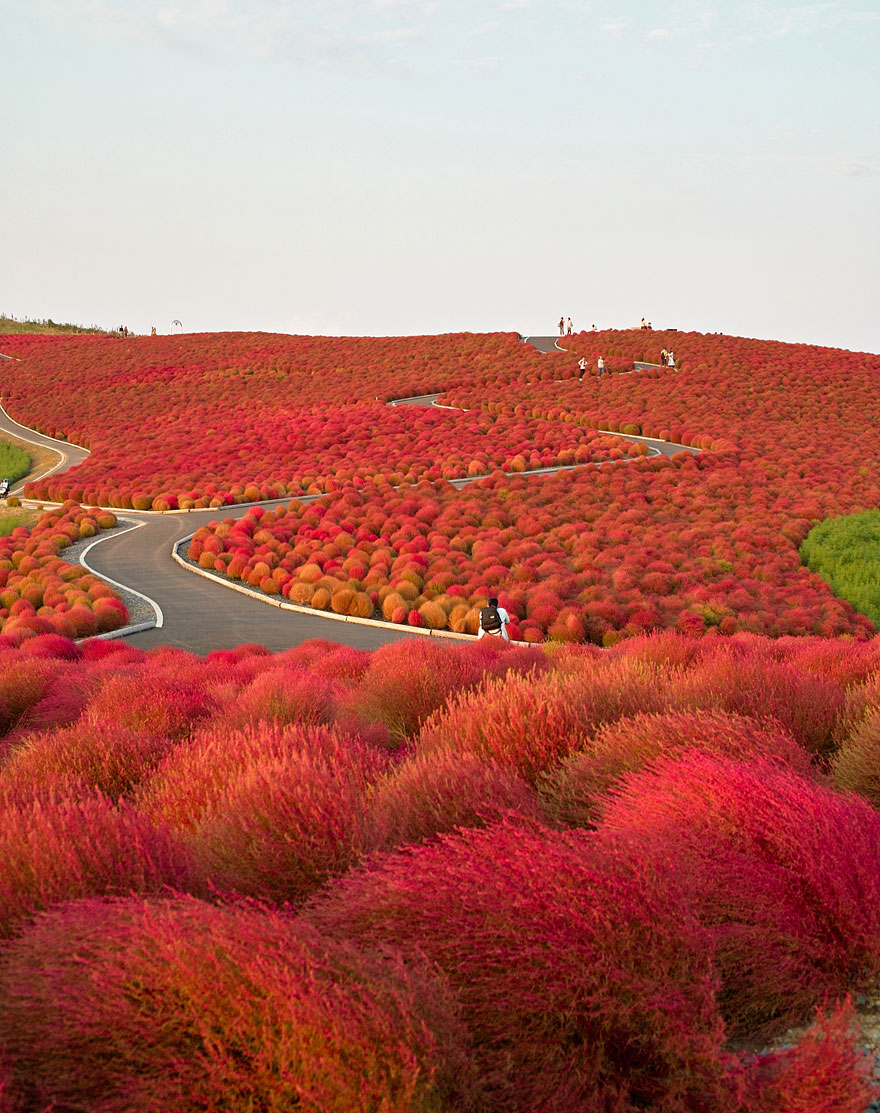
(571, 790)
(528, 723)
(845, 552)
(429, 794)
(784, 871)
(583, 982)
(41, 594)
(178, 1005)
(826, 1072)
(55, 850)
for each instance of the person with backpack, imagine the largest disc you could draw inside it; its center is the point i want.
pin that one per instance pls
(494, 620)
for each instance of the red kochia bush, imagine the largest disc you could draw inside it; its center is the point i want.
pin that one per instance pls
(570, 791)
(751, 683)
(529, 722)
(585, 983)
(785, 872)
(194, 780)
(281, 827)
(78, 759)
(407, 681)
(826, 1071)
(55, 850)
(148, 701)
(429, 794)
(179, 1006)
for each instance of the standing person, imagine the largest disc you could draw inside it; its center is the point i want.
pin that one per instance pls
(643, 323)
(600, 366)
(494, 620)
(568, 326)
(582, 364)
(670, 358)
(562, 326)
(664, 356)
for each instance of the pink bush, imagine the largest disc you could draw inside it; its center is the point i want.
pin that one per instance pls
(427, 795)
(825, 1072)
(76, 760)
(285, 695)
(408, 680)
(528, 722)
(175, 1005)
(570, 791)
(784, 871)
(147, 701)
(584, 982)
(805, 704)
(280, 828)
(55, 850)
(193, 781)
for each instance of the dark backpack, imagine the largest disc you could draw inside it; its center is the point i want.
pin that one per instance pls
(490, 620)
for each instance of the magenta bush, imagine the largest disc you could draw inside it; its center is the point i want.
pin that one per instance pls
(825, 1072)
(56, 850)
(426, 795)
(175, 1006)
(784, 872)
(584, 981)
(570, 791)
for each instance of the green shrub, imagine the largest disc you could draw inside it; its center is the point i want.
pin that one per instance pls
(845, 552)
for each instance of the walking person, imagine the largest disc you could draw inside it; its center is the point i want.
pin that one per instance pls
(568, 326)
(600, 366)
(562, 326)
(494, 620)
(582, 364)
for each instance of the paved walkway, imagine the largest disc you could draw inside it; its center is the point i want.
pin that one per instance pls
(199, 614)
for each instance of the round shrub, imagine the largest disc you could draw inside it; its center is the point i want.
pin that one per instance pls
(427, 795)
(55, 850)
(785, 872)
(571, 790)
(179, 1005)
(584, 982)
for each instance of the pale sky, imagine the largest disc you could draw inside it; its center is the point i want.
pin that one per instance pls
(396, 166)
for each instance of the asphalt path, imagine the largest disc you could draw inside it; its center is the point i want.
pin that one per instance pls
(198, 614)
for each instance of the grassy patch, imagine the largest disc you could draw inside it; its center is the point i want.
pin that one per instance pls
(14, 461)
(47, 325)
(845, 552)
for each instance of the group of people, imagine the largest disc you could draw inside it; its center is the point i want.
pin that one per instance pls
(667, 359)
(584, 367)
(565, 326)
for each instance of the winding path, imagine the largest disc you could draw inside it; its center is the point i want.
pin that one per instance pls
(198, 613)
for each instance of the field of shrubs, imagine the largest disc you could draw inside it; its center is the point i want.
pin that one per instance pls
(41, 593)
(439, 877)
(634, 867)
(702, 544)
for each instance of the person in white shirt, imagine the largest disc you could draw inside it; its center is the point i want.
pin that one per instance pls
(582, 364)
(494, 620)
(600, 366)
